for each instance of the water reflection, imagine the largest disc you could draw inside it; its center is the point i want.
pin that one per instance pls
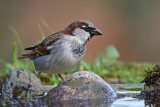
(128, 102)
(87, 103)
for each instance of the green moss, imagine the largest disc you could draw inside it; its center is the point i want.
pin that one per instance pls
(76, 83)
(91, 89)
(97, 89)
(130, 89)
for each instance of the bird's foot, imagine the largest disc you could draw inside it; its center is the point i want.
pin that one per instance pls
(61, 77)
(38, 73)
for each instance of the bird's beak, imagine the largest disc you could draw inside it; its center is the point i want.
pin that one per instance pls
(96, 31)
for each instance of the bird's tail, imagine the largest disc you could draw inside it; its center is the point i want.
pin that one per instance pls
(24, 56)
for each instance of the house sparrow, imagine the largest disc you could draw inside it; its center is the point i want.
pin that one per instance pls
(63, 50)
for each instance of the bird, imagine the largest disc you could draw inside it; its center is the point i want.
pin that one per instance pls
(61, 51)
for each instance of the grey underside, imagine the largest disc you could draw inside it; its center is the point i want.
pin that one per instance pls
(63, 57)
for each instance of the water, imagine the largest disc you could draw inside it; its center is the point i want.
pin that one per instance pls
(128, 98)
(128, 102)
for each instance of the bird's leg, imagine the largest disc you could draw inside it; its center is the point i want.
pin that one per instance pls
(38, 73)
(61, 77)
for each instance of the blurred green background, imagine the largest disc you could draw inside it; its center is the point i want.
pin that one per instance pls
(132, 26)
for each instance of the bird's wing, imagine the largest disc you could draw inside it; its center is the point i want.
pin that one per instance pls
(42, 48)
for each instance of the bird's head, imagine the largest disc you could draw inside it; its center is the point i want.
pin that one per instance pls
(83, 30)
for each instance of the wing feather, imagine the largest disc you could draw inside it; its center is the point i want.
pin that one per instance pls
(42, 48)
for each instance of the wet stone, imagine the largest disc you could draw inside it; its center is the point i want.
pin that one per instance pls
(81, 86)
(21, 81)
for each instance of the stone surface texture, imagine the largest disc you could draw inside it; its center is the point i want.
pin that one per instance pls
(80, 86)
(21, 81)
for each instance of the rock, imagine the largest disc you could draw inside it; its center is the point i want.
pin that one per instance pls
(81, 86)
(21, 81)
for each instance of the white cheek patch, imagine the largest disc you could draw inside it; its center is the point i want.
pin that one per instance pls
(81, 34)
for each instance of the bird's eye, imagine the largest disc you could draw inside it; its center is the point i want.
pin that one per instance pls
(86, 28)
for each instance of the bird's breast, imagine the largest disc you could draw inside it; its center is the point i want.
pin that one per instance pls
(64, 56)
(77, 50)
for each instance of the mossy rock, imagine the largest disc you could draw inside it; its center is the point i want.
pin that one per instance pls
(19, 82)
(82, 86)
